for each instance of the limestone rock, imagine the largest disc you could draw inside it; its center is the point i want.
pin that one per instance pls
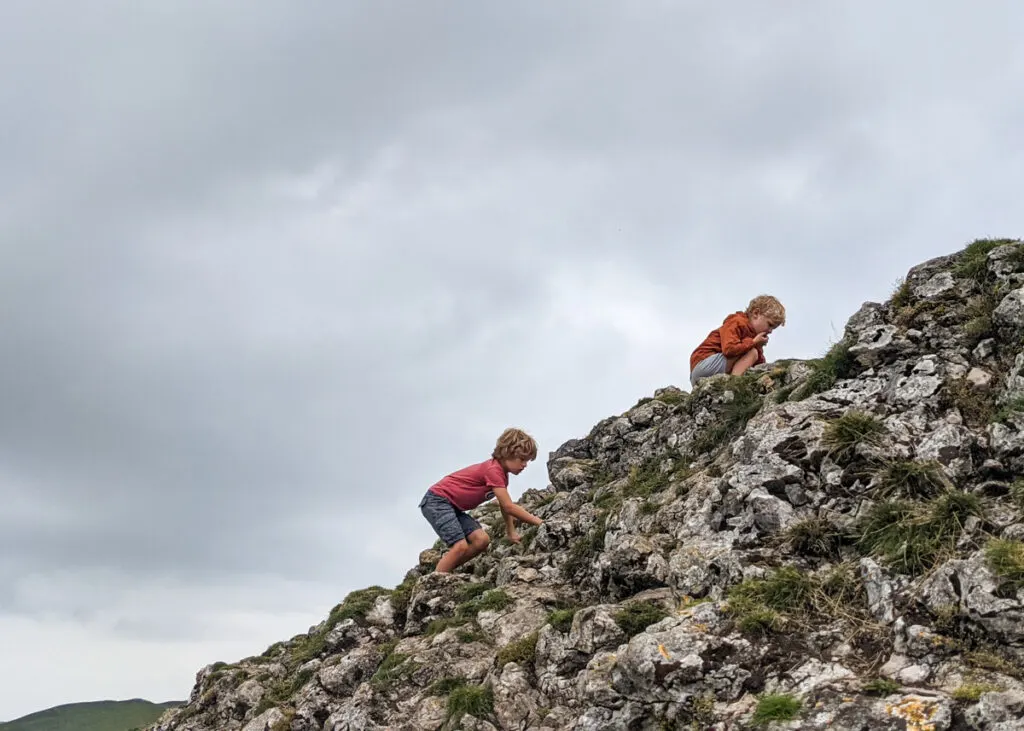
(704, 549)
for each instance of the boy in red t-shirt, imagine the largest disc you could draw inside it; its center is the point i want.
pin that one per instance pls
(446, 502)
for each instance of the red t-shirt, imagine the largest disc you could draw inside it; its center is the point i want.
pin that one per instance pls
(472, 485)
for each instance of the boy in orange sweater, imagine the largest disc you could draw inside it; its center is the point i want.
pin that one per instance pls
(446, 502)
(739, 343)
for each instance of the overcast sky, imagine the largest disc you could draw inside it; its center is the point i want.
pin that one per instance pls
(269, 269)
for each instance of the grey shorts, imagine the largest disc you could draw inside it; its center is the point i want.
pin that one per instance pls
(710, 366)
(450, 523)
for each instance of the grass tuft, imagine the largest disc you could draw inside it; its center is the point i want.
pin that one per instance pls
(474, 700)
(445, 686)
(561, 619)
(1017, 493)
(787, 589)
(973, 261)
(881, 687)
(521, 651)
(972, 692)
(979, 324)
(976, 406)
(836, 365)
(488, 600)
(635, 618)
(394, 666)
(767, 605)
(401, 595)
(473, 590)
(912, 536)
(842, 436)
(815, 537)
(1006, 559)
(356, 605)
(901, 296)
(912, 479)
(1008, 409)
(776, 707)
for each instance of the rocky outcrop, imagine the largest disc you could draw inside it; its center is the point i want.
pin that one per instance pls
(826, 544)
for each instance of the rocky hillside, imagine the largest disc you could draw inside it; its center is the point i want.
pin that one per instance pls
(826, 544)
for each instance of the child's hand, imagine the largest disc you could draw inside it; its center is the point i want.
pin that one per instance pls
(760, 339)
(513, 536)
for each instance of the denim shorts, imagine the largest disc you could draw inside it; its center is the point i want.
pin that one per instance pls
(450, 523)
(710, 366)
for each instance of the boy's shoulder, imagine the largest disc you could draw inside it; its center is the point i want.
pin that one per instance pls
(487, 466)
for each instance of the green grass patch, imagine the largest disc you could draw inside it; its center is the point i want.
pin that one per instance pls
(439, 625)
(492, 600)
(94, 716)
(561, 619)
(881, 687)
(1017, 493)
(788, 589)
(1012, 407)
(972, 692)
(446, 686)
(394, 667)
(973, 260)
(979, 324)
(989, 658)
(815, 537)
(521, 651)
(912, 479)
(901, 296)
(473, 590)
(837, 364)
(976, 406)
(766, 605)
(914, 536)
(646, 479)
(673, 398)
(281, 691)
(356, 605)
(776, 707)
(1006, 560)
(842, 436)
(474, 700)
(638, 616)
(401, 595)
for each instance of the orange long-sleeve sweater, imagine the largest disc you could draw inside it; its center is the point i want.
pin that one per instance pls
(734, 338)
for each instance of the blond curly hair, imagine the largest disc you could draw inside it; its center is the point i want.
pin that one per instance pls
(771, 308)
(515, 444)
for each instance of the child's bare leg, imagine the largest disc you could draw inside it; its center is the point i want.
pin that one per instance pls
(743, 362)
(478, 541)
(455, 557)
(462, 551)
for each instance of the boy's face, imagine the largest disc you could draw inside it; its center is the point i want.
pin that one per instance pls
(515, 465)
(762, 324)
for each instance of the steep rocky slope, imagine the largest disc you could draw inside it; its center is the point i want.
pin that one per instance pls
(826, 544)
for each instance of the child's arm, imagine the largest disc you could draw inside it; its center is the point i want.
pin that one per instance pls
(733, 346)
(511, 510)
(510, 526)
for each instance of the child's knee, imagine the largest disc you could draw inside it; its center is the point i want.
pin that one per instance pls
(479, 539)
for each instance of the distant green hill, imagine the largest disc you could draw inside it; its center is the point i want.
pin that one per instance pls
(97, 716)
